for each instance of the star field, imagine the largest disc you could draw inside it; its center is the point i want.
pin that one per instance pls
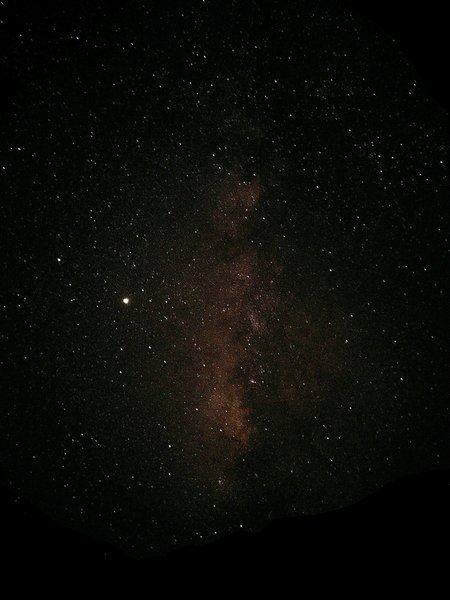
(224, 242)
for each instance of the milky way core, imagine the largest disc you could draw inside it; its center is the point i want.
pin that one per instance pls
(251, 359)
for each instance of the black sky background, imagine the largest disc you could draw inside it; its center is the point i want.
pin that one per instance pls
(121, 128)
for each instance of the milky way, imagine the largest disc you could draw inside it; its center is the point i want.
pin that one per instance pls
(226, 341)
(250, 359)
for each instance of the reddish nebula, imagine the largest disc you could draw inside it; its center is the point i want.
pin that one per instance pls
(227, 337)
(225, 303)
(244, 345)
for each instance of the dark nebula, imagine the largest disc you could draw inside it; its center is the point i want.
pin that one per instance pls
(224, 247)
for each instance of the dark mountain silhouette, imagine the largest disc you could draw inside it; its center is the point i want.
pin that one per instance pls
(407, 521)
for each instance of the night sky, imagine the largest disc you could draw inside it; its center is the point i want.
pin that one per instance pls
(224, 251)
